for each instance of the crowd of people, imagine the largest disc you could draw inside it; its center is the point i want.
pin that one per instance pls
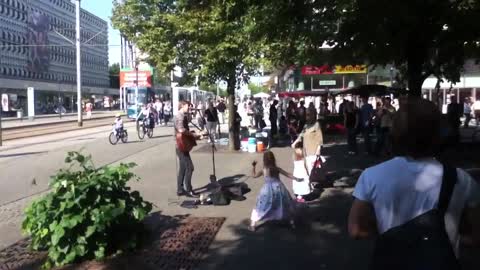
(411, 134)
(417, 208)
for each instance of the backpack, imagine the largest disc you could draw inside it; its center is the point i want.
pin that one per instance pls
(422, 243)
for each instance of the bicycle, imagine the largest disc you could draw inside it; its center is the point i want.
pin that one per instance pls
(114, 138)
(143, 128)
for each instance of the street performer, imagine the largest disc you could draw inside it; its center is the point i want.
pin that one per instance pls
(185, 142)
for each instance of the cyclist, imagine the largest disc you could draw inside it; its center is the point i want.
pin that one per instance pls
(118, 124)
(147, 116)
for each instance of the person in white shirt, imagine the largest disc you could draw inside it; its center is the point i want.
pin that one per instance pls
(398, 190)
(476, 111)
(467, 112)
(118, 124)
(159, 108)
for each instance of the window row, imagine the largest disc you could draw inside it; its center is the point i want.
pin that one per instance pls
(14, 10)
(54, 77)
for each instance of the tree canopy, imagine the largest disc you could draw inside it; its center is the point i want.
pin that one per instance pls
(420, 38)
(215, 39)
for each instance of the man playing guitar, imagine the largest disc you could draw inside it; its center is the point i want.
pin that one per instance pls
(185, 141)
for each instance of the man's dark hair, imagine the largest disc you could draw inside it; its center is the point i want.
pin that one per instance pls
(416, 129)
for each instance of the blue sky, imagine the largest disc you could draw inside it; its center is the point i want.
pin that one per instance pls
(103, 9)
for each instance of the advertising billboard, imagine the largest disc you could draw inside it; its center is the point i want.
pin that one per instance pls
(128, 78)
(37, 36)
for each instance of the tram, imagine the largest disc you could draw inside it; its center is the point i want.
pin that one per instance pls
(190, 94)
(137, 98)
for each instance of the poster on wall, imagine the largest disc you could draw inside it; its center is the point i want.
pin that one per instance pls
(5, 102)
(37, 36)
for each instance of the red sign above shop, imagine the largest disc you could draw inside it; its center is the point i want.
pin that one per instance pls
(128, 78)
(314, 70)
(326, 69)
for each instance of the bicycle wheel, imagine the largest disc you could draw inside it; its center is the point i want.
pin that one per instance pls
(125, 137)
(140, 132)
(150, 132)
(112, 138)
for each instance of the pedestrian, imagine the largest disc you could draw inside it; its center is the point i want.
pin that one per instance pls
(301, 115)
(273, 118)
(258, 114)
(184, 178)
(89, 109)
(236, 127)
(167, 111)
(476, 111)
(159, 108)
(212, 121)
(385, 115)
(351, 122)
(291, 117)
(300, 188)
(311, 139)
(250, 112)
(454, 112)
(467, 112)
(365, 124)
(274, 202)
(392, 197)
(341, 107)
(221, 107)
(200, 116)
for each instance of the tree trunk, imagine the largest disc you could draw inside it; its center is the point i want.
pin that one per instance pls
(416, 56)
(232, 137)
(415, 78)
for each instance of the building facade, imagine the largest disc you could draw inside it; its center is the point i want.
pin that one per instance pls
(37, 50)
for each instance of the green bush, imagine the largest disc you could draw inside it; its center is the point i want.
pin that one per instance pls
(90, 213)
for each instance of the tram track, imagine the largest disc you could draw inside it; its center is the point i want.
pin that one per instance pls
(22, 132)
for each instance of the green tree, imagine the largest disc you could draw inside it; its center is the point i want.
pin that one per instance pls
(114, 69)
(114, 75)
(215, 39)
(420, 38)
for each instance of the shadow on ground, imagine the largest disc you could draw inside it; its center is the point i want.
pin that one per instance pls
(320, 241)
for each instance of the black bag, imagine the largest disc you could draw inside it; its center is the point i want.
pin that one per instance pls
(422, 243)
(317, 175)
(219, 197)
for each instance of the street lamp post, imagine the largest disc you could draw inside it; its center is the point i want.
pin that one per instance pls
(79, 64)
(136, 85)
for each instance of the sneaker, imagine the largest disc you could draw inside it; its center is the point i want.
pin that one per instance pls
(182, 193)
(192, 194)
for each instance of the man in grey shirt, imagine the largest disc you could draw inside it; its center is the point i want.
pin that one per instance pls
(184, 177)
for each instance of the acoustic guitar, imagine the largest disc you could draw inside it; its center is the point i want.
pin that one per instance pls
(185, 141)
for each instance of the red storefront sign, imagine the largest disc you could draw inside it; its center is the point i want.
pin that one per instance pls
(128, 78)
(317, 70)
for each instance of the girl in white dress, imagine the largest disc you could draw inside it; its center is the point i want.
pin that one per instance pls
(274, 202)
(300, 188)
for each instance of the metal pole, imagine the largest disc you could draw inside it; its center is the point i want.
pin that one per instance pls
(391, 76)
(79, 64)
(136, 86)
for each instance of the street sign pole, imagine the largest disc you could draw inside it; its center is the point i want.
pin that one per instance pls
(79, 64)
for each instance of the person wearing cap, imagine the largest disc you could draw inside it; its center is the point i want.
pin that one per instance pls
(118, 124)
